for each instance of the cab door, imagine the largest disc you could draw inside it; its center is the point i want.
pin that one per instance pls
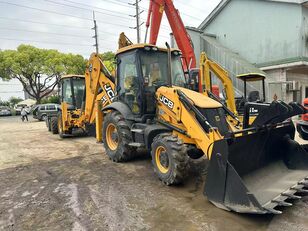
(128, 81)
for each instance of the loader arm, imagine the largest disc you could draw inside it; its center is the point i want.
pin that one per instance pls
(206, 66)
(100, 87)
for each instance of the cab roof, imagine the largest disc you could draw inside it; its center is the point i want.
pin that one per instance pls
(71, 76)
(251, 77)
(142, 46)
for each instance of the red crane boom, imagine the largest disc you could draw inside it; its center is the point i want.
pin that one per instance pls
(182, 38)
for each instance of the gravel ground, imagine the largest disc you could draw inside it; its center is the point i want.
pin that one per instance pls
(48, 183)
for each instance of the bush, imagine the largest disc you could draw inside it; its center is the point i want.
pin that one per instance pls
(51, 99)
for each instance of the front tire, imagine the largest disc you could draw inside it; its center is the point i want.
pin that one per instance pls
(116, 138)
(169, 158)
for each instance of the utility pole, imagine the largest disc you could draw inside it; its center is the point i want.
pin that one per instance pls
(95, 33)
(137, 16)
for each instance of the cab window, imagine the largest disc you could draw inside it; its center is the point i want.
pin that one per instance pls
(129, 82)
(67, 91)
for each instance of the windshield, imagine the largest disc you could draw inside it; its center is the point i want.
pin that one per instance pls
(79, 86)
(155, 69)
(77, 91)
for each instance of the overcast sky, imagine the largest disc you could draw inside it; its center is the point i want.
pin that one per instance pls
(66, 25)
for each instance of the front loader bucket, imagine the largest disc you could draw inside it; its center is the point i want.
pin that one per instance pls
(257, 172)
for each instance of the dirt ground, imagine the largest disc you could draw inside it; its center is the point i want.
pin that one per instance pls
(48, 183)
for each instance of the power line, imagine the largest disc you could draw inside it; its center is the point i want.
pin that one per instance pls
(50, 24)
(48, 11)
(44, 32)
(56, 43)
(96, 11)
(54, 12)
(96, 7)
(119, 3)
(42, 23)
(36, 41)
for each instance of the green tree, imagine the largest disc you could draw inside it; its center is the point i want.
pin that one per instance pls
(39, 70)
(108, 60)
(51, 99)
(15, 100)
(4, 103)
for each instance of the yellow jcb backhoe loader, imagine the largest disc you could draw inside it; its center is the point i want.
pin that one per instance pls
(251, 170)
(82, 98)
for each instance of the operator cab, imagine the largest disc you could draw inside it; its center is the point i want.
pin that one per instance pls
(72, 89)
(253, 96)
(142, 69)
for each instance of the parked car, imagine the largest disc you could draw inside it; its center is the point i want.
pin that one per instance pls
(5, 111)
(42, 111)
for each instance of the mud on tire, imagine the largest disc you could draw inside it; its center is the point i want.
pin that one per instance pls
(116, 138)
(169, 158)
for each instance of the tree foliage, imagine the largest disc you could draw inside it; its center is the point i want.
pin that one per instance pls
(51, 99)
(15, 100)
(4, 103)
(108, 60)
(38, 70)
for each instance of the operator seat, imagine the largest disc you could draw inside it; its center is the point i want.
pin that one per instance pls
(254, 96)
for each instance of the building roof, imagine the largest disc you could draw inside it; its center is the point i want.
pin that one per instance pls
(223, 3)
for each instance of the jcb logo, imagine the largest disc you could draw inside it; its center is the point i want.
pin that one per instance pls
(110, 93)
(166, 101)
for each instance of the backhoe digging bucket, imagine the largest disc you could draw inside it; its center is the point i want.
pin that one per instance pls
(258, 172)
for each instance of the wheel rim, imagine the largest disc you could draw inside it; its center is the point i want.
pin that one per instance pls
(112, 137)
(161, 159)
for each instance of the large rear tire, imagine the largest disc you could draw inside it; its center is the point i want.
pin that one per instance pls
(54, 125)
(116, 138)
(169, 158)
